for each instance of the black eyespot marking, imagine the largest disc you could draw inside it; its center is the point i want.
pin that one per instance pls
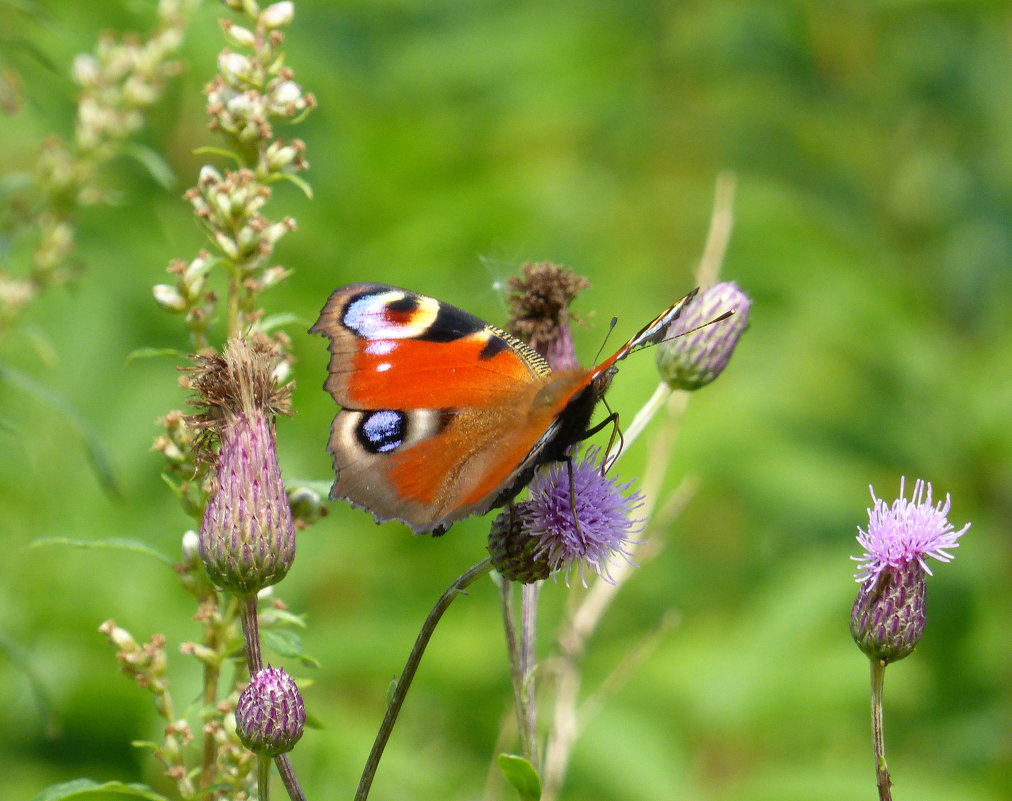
(493, 348)
(451, 323)
(382, 431)
(404, 305)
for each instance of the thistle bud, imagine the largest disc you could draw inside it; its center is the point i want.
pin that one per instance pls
(690, 359)
(270, 715)
(516, 555)
(887, 619)
(247, 538)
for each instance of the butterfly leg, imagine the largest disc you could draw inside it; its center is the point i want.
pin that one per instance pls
(616, 434)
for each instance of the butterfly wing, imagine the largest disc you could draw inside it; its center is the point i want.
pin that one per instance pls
(439, 407)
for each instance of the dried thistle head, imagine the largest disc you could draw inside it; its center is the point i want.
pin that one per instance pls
(242, 380)
(539, 310)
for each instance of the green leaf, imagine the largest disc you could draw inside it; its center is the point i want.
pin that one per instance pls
(21, 659)
(93, 445)
(210, 150)
(121, 544)
(299, 182)
(283, 616)
(153, 162)
(288, 644)
(521, 774)
(93, 791)
(153, 353)
(269, 323)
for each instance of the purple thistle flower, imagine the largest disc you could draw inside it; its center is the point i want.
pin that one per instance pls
(270, 715)
(692, 360)
(600, 528)
(906, 532)
(887, 619)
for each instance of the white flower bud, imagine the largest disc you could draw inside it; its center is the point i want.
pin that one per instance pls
(191, 546)
(240, 36)
(169, 298)
(286, 93)
(277, 15)
(85, 70)
(234, 68)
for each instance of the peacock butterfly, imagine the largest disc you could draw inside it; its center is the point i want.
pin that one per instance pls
(443, 415)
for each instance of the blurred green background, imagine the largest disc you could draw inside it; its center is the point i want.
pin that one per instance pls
(453, 140)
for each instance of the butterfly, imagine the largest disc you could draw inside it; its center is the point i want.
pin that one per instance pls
(444, 415)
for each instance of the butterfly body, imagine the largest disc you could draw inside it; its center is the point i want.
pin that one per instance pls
(444, 415)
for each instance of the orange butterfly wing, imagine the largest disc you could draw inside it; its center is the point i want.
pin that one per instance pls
(440, 409)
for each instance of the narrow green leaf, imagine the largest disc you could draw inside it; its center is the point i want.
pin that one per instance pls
(295, 179)
(153, 353)
(521, 774)
(210, 150)
(153, 162)
(86, 788)
(93, 445)
(120, 544)
(269, 323)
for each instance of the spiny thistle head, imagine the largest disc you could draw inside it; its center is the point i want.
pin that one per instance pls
(887, 619)
(690, 359)
(247, 538)
(270, 715)
(539, 310)
(559, 528)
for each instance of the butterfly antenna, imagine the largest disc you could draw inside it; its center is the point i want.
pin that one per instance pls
(600, 350)
(718, 319)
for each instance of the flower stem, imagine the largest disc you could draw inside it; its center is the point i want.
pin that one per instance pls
(881, 769)
(212, 639)
(263, 777)
(414, 659)
(251, 634)
(522, 695)
(528, 659)
(288, 777)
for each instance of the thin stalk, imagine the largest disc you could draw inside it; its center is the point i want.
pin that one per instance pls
(263, 778)
(878, 739)
(288, 777)
(251, 634)
(209, 747)
(414, 659)
(528, 660)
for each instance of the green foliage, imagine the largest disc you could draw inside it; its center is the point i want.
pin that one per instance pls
(870, 145)
(520, 773)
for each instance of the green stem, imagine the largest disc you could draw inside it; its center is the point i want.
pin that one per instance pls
(881, 769)
(251, 634)
(414, 658)
(528, 659)
(263, 777)
(528, 743)
(288, 777)
(212, 639)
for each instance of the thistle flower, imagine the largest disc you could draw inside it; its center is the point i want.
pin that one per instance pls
(247, 539)
(887, 619)
(557, 529)
(692, 360)
(270, 715)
